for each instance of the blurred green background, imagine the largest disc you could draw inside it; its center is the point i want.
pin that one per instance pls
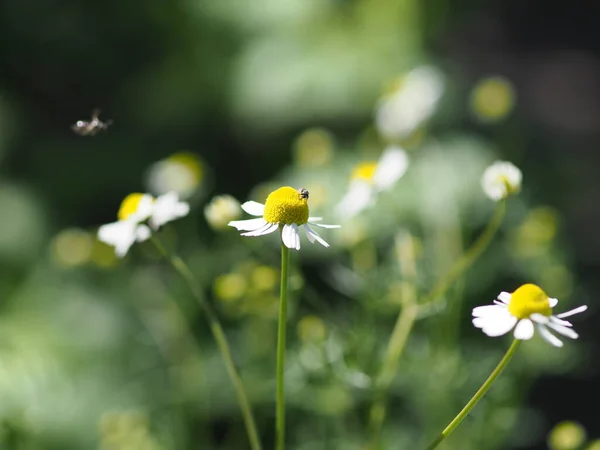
(97, 353)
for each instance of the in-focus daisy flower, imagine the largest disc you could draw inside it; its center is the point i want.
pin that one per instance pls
(526, 309)
(369, 178)
(181, 172)
(221, 210)
(286, 209)
(410, 104)
(501, 179)
(135, 210)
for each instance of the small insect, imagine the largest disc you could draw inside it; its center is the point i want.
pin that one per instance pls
(303, 193)
(85, 128)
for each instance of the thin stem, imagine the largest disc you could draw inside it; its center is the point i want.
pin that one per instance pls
(478, 395)
(409, 313)
(219, 334)
(280, 403)
(397, 342)
(470, 256)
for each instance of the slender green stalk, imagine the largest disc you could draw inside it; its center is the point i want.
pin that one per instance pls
(280, 403)
(397, 342)
(478, 395)
(219, 334)
(470, 256)
(409, 313)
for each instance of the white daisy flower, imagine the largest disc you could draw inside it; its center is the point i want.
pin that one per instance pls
(134, 211)
(167, 208)
(370, 178)
(123, 233)
(501, 179)
(286, 209)
(413, 102)
(182, 172)
(527, 309)
(221, 210)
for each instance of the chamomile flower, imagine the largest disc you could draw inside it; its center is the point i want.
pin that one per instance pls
(369, 178)
(123, 233)
(286, 209)
(410, 104)
(135, 210)
(221, 210)
(527, 309)
(501, 179)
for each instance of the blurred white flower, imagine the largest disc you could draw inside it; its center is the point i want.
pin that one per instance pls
(181, 172)
(501, 179)
(287, 209)
(370, 178)
(526, 309)
(221, 210)
(167, 208)
(134, 211)
(413, 102)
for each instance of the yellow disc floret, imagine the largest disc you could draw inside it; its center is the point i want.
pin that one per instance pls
(286, 205)
(527, 300)
(129, 205)
(364, 171)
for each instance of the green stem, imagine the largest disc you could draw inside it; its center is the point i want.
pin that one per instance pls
(478, 395)
(219, 334)
(409, 314)
(280, 403)
(470, 256)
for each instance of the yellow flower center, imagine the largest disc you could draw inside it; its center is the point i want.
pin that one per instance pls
(286, 205)
(364, 171)
(527, 300)
(129, 205)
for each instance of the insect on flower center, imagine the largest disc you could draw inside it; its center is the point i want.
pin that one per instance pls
(364, 171)
(129, 206)
(527, 300)
(287, 205)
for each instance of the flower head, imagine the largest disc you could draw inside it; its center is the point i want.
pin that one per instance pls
(412, 102)
(501, 179)
(221, 210)
(134, 211)
(370, 177)
(526, 309)
(182, 172)
(287, 209)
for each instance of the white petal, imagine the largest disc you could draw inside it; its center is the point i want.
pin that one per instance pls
(553, 302)
(313, 235)
(577, 310)
(167, 208)
(565, 331)
(315, 219)
(121, 235)
(144, 208)
(254, 208)
(539, 318)
(500, 326)
(504, 297)
(524, 330)
(267, 229)
(248, 225)
(391, 167)
(564, 323)
(549, 336)
(491, 310)
(322, 225)
(360, 195)
(142, 233)
(290, 236)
